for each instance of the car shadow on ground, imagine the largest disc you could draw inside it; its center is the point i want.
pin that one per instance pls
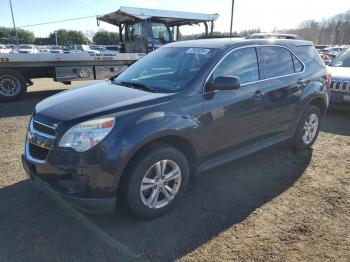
(33, 228)
(26, 104)
(217, 200)
(336, 122)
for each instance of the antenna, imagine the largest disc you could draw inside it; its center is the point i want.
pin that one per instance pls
(232, 7)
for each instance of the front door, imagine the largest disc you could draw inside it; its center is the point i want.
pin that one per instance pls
(235, 118)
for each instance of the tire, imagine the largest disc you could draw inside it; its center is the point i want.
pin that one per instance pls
(301, 138)
(12, 85)
(144, 167)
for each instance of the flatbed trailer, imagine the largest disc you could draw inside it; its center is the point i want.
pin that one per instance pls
(17, 70)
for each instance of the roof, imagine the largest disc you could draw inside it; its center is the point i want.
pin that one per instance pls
(172, 18)
(223, 43)
(274, 35)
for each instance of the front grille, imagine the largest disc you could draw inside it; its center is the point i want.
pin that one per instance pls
(44, 129)
(38, 152)
(340, 86)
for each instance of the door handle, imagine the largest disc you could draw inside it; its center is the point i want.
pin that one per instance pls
(258, 94)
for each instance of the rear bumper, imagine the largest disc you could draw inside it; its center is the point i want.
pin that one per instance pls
(93, 205)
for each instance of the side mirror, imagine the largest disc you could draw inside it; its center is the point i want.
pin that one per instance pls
(225, 83)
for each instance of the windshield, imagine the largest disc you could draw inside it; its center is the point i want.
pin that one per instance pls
(168, 69)
(343, 60)
(160, 31)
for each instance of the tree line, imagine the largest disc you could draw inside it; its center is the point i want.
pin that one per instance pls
(334, 30)
(102, 37)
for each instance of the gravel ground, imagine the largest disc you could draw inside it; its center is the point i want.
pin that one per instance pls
(275, 205)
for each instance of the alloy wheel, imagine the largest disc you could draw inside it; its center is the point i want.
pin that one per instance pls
(160, 184)
(310, 128)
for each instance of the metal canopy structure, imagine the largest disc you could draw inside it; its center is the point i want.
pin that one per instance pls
(129, 15)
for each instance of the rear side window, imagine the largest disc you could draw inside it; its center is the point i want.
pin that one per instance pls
(242, 63)
(310, 57)
(277, 61)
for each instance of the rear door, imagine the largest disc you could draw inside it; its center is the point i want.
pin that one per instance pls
(282, 74)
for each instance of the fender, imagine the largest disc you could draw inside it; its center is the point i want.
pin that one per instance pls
(311, 92)
(148, 128)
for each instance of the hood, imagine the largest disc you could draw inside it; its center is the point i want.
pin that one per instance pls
(99, 97)
(339, 73)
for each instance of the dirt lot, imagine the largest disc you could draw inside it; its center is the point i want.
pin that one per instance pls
(275, 205)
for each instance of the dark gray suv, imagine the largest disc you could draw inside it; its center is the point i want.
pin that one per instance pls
(184, 108)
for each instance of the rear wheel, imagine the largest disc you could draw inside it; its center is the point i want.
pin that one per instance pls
(12, 85)
(308, 128)
(156, 183)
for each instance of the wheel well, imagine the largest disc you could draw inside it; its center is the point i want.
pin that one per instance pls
(177, 142)
(319, 102)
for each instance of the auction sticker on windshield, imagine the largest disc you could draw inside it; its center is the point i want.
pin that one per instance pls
(199, 51)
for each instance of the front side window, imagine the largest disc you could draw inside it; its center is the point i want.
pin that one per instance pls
(242, 63)
(160, 31)
(277, 61)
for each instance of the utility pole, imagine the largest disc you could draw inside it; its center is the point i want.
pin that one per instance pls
(56, 38)
(14, 24)
(232, 7)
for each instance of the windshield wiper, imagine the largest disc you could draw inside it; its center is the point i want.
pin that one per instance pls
(139, 86)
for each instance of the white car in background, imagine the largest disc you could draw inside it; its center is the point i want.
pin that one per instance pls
(71, 49)
(13, 48)
(28, 49)
(44, 49)
(105, 48)
(100, 48)
(5, 50)
(111, 48)
(339, 69)
(56, 50)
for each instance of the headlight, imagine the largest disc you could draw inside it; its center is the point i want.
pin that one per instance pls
(84, 136)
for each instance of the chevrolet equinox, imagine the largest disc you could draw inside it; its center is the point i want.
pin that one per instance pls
(184, 108)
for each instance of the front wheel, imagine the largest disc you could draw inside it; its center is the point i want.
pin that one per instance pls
(308, 128)
(156, 182)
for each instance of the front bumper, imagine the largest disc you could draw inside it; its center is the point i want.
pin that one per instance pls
(340, 97)
(340, 100)
(68, 187)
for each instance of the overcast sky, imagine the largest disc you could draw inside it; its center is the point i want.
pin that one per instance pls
(248, 14)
